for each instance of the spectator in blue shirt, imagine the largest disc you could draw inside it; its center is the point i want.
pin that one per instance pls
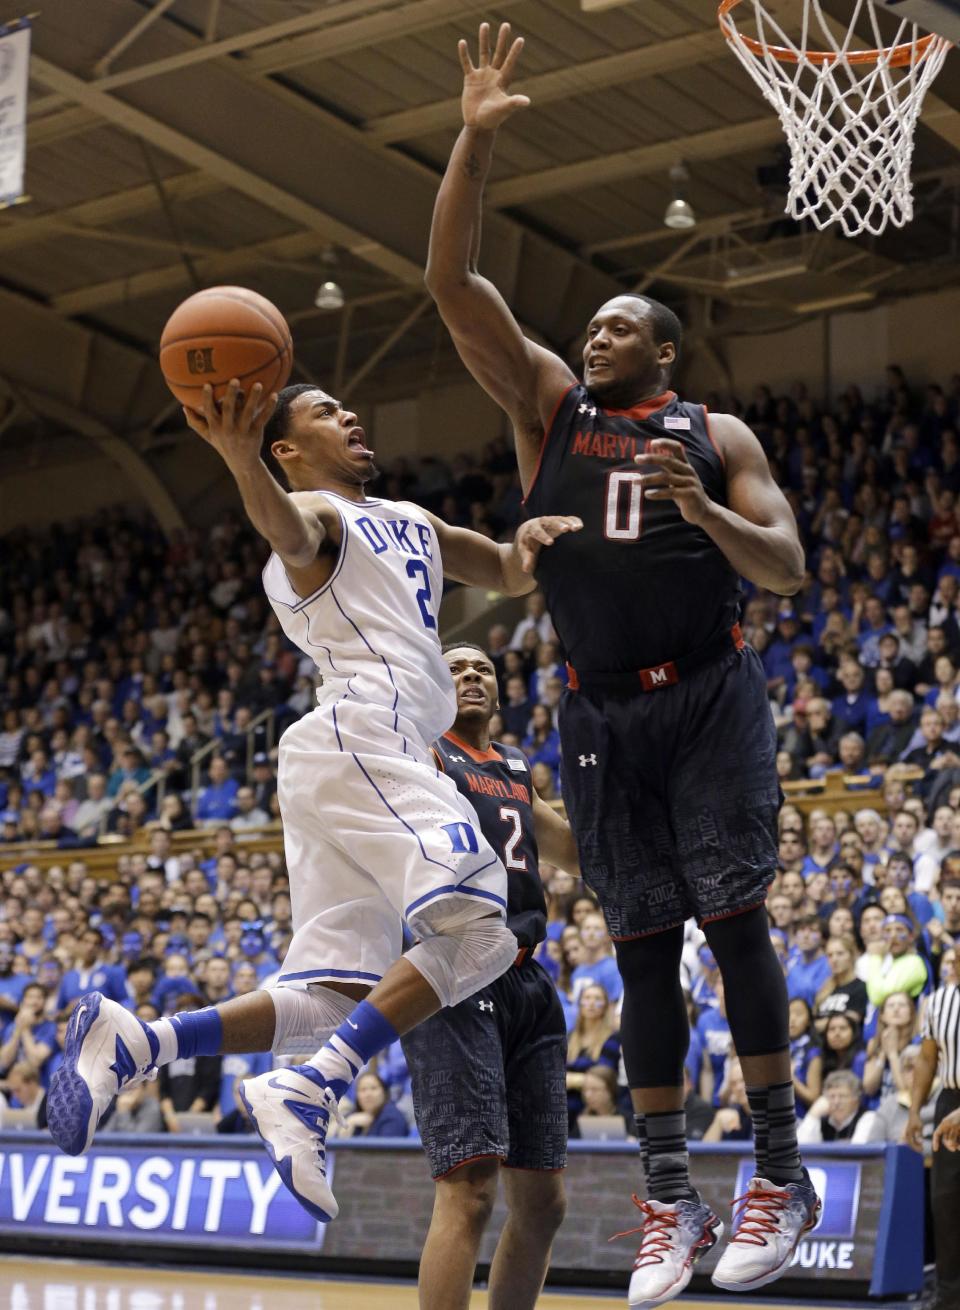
(823, 846)
(898, 873)
(776, 658)
(132, 769)
(599, 965)
(875, 624)
(853, 707)
(542, 743)
(28, 1037)
(811, 969)
(91, 973)
(38, 774)
(805, 1056)
(704, 989)
(12, 985)
(716, 1043)
(375, 1115)
(218, 801)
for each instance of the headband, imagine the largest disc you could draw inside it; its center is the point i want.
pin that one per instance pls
(901, 919)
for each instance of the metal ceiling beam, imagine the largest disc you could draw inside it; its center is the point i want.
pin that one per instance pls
(117, 449)
(327, 16)
(732, 139)
(57, 126)
(226, 171)
(128, 38)
(401, 20)
(385, 346)
(170, 276)
(28, 228)
(714, 226)
(576, 80)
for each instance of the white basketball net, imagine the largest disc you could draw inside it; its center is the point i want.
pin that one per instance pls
(849, 123)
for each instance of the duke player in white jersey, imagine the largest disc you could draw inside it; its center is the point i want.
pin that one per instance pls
(375, 835)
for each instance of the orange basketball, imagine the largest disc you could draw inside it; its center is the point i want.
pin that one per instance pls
(223, 333)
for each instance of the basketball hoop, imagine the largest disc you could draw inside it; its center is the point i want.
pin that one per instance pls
(849, 114)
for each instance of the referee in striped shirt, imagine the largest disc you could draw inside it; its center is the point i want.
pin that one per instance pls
(940, 1049)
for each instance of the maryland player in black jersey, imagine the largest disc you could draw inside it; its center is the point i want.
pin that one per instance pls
(668, 744)
(489, 1074)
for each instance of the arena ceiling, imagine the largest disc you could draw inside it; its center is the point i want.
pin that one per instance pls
(178, 143)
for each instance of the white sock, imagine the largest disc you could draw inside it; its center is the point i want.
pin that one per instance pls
(166, 1035)
(338, 1063)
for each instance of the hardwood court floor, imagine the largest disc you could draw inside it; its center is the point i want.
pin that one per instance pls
(42, 1284)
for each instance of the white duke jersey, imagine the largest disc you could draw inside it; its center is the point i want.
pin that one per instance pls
(372, 628)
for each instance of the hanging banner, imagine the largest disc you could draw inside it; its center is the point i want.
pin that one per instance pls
(14, 67)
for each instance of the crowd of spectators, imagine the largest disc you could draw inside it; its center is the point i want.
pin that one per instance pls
(123, 654)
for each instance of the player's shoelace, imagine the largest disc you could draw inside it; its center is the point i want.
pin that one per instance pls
(658, 1232)
(759, 1214)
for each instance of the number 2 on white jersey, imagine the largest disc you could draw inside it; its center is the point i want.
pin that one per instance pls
(510, 858)
(417, 569)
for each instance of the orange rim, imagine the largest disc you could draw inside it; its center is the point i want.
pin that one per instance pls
(896, 56)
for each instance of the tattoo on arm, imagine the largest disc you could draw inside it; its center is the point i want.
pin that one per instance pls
(472, 167)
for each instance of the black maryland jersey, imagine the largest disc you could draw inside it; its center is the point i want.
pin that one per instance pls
(638, 585)
(497, 784)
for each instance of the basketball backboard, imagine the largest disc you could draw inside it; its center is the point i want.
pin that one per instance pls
(940, 16)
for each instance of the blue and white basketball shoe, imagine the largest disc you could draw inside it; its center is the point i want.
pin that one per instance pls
(291, 1110)
(106, 1049)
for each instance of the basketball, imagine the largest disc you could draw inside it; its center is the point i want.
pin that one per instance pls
(222, 333)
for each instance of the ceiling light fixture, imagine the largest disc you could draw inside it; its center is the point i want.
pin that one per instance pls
(329, 296)
(679, 214)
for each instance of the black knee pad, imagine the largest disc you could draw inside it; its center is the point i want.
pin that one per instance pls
(754, 988)
(654, 1030)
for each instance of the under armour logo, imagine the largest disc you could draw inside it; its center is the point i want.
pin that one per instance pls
(589, 409)
(458, 759)
(486, 1005)
(587, 759)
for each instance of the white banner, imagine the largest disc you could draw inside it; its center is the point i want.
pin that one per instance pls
(14, 67)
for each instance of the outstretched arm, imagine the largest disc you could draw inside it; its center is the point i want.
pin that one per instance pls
(555, 840)
(297, 533)
(474, 559)
(756, 530)
(522, 377)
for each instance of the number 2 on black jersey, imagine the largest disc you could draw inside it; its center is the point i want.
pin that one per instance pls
(510, 858)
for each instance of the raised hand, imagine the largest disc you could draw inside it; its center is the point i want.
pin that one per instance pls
(234, 427)
(486, 102)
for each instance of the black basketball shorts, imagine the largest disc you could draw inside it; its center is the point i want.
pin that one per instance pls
(673, 795)
(489, 1076)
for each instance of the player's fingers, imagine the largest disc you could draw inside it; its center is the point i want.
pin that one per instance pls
(251, 406)
(667, 446)
(228, 406)
(937, 1137)
(463, 50)
(528, 559)
(265, 411)
(662, 460)
(557, 526)
(510, 61)
(519, 102)
(500, 50)
(483, 46)
(197, 423)
(208, 406)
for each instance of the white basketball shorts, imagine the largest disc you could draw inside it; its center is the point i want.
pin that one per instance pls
(373, 835)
